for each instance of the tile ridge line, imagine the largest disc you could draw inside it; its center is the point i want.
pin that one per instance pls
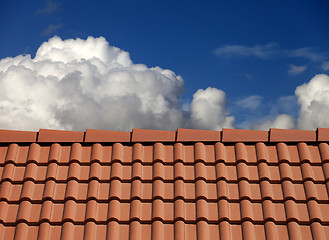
(273, 135)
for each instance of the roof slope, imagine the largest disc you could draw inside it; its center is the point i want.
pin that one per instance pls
(189, 184)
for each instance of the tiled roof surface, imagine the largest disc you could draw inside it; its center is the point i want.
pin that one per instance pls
(189, 184)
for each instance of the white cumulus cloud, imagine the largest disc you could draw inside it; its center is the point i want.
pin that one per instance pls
(208, 110)
(76, 84)
(313, 98)
(313, 103)
(282, 121)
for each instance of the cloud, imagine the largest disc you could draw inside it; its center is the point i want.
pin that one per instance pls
(295, 70)
(313, 99)
(208, 110)
(313, 104)
(52, 6)
(258, 51)
(287, 104)
(50, 29)
(307, 52)
(325, 65)
(250, 102)
(76, 84)
(269, 51)
(283, 121)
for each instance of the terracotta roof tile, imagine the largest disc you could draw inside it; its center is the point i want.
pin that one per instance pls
(239, 135)
(17, 136)
(323, 134)
(47, 135)
(163, 189)
(93, 135)
(143, 135)
(284, 135)
(193, 135)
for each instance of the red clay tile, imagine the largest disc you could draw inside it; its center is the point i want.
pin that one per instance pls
(239, 135)
(47, 135)
(307, 171)
(223, 210)
(143, 135)
(204, 189)
(318, 231)
(284, 135)
(17, 136)
(158, 152)
(314, 211)
(93, 135)
(220, 152)
(324, 151)
(193, 135)
(288, 190)
(118, 152)
(179, 191)
(201, 189)
(304, 153)
(323, 134)
(318, 173)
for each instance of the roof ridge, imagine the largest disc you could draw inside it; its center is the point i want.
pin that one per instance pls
(181, 135)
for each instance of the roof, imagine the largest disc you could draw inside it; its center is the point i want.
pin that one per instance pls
(148, 184)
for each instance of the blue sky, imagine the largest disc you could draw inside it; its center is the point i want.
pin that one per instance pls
(257, 52)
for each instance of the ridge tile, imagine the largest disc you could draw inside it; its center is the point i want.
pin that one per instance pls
(292, 135)
(323, 134)
(145, 135)
(194, 135)
(17, 136)
(48, 135)
(94, 135)
(240, 135)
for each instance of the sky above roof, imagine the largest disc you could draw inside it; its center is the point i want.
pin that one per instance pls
(258, 58)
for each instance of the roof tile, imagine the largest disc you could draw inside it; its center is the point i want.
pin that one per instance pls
(239, 135)
(292, 135)
(143, 135)
(48, 135)
(193, 135)
(196, 189)
(93, 135)
(17, 136)
(323, 134)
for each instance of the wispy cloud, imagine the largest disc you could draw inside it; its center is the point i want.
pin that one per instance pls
(295, 70)
(250, 102)
(308, 53)
(52, 6)
(259, 51)
(50, 29)
(269, 51)
(325, 65)
(246, 75)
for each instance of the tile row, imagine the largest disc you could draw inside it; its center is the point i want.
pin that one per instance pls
(161, 231)
(168, 212)
(181, 135)
(116, 189)
(158, 170)
(187, 153)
